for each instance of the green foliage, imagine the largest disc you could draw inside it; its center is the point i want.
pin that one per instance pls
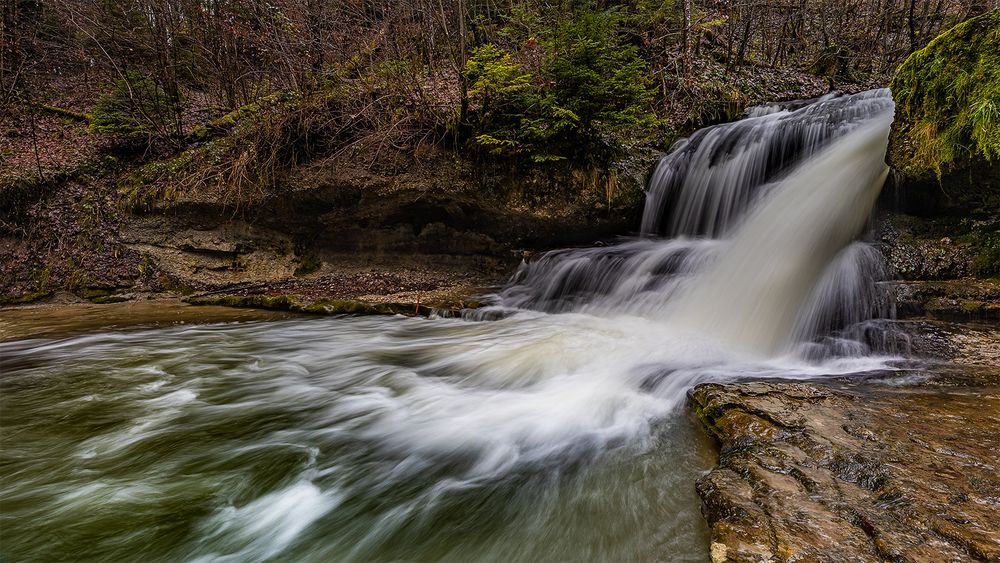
(986, 261)
(948, 100)
(603, 82)
(588, 99)
(504, 95)
(134, 106)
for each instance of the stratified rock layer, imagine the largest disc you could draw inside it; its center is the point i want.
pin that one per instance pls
(867, 472)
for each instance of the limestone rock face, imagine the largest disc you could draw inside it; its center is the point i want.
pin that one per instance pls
(870, 472)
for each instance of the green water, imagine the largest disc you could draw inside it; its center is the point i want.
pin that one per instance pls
(384, 439)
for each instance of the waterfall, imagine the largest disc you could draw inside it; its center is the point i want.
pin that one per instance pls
(709, 181)
(748, 232)
(751, 296)
(531, 438)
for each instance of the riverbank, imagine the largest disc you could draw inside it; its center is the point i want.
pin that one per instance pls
(898, 468)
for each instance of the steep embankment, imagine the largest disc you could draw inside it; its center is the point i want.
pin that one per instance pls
(405, 228)
(945, 146)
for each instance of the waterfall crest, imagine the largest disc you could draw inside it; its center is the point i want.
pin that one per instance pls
(710, 180)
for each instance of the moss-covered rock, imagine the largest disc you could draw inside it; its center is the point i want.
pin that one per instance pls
(945, 141)
(951, 300)
(299, 304)
(948, 101)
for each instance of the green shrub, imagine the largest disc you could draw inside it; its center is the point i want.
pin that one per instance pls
(504, 96)
(135, 106)
(589, 99)
(602, 81)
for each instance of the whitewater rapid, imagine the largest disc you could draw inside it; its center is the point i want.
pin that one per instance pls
(536, 437)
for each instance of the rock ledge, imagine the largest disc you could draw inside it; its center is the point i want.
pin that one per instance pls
(866, 472)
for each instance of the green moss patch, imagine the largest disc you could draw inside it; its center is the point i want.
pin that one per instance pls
(24, 298)
(948, 100)
(315, 307)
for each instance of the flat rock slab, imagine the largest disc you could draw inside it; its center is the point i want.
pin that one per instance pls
(870, 471)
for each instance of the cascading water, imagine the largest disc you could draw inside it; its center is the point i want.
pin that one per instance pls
(708, 181)
(752, 296)
(534, 437)
(774, 202)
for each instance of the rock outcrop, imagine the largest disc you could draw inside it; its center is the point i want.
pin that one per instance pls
(874, 471)
(942, 236)
(946, 101)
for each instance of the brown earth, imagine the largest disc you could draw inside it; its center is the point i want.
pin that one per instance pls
(408, 229)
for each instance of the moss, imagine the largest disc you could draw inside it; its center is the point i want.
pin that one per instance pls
(707, 417)
(346, 307)
(24, 298)
(93, 293)
(308, 263)
(275, 302)
(63, 112)
(986, 246)
(234, 117)
(951, 308)
(109, 299)
(948, 100)
(968, 306)
(317, 307)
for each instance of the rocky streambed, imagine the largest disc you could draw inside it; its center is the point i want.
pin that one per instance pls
(895, 468)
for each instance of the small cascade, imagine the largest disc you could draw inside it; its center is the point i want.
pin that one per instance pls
(708, 181)
(747, 234)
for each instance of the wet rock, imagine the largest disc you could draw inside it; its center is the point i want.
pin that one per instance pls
(362, 291)
(965, 299)
(295, 304)
(914, 258)
(868, 472)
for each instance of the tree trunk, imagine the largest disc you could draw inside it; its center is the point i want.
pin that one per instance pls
(912, 23)
(686, 38)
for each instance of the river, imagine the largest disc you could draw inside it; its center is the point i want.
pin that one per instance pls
(549, 426)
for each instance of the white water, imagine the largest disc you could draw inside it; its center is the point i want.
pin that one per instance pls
(709, 181)
(753, 295)
(785, 194)
(550, 434)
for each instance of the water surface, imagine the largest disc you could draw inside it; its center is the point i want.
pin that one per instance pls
(346, 439)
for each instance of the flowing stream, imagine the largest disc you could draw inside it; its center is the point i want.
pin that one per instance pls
(547, 426)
